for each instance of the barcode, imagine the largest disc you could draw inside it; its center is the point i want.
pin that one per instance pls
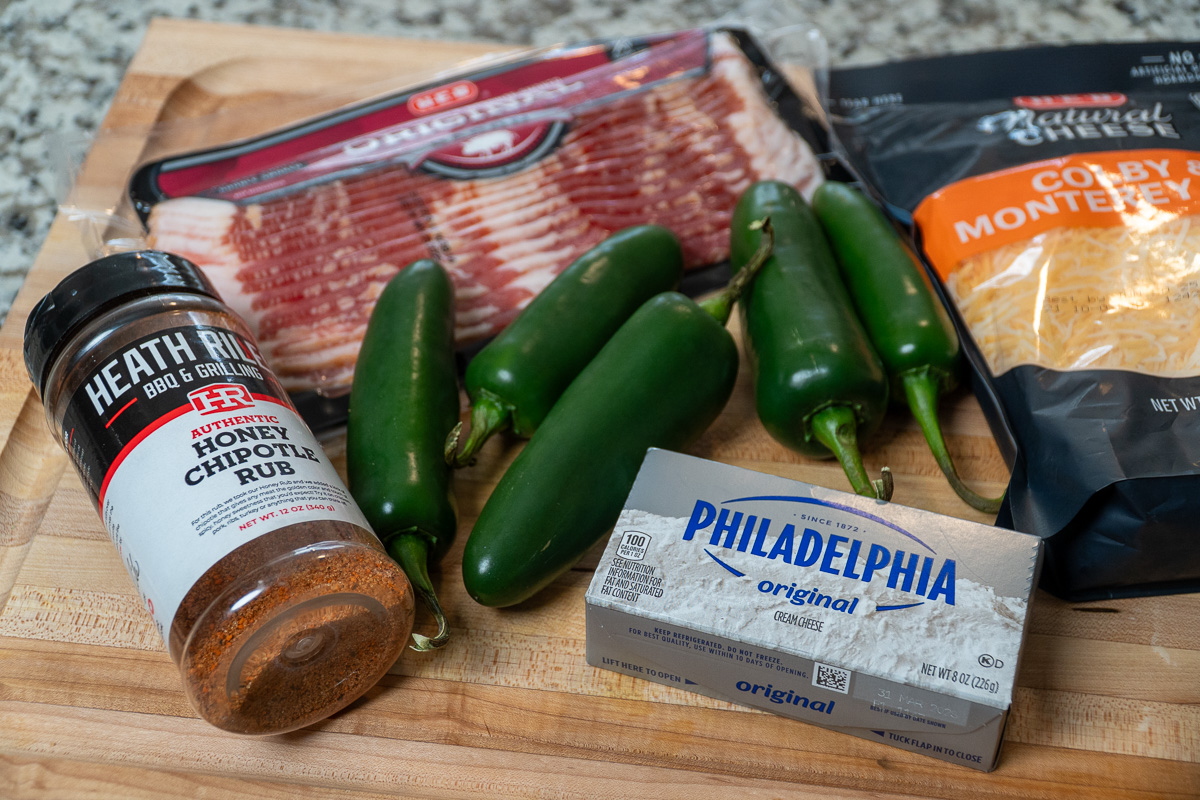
(833, 678)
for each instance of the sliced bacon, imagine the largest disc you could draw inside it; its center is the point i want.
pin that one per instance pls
(305, 269)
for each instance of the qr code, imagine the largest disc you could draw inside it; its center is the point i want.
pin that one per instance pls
(834, 678)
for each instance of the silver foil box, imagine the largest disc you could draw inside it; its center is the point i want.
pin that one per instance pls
(882, 621)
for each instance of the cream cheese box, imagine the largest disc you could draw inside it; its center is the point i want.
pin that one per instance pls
(882, 621)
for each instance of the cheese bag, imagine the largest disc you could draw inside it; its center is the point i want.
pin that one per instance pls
(1054, 194)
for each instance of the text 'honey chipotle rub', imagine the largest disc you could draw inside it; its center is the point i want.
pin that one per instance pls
(274, 597)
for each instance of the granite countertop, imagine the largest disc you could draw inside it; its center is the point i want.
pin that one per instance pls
(61, 60)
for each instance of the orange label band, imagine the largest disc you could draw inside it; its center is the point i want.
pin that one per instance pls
(1136, 188)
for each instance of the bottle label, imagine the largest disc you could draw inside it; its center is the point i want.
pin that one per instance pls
(190, 449)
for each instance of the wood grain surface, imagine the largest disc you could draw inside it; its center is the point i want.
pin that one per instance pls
(1108, 698)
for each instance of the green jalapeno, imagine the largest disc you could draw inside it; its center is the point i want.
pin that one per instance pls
(907, 324)
(819, 387)
(403, 402)
(659, 382)
(515, 379)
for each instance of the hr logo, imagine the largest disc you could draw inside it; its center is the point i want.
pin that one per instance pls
(217, 397)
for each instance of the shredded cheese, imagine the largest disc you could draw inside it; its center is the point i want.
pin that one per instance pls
(1125, 297)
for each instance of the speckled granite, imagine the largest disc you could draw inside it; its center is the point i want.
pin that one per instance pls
(61, 60)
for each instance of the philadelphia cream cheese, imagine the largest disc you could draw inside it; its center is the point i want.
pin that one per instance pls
(883, 621)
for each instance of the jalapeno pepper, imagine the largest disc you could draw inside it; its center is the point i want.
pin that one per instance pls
(659, 382)
(908, 326)
(516, 378)
(819, 387)
(403, 402)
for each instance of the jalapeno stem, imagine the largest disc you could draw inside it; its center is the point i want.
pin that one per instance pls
(922, 388)
(884, 485)
(411, 552)
(489, 415)
(720, 305)
(836, 427)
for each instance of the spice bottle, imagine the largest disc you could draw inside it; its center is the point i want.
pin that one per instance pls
(273, 596)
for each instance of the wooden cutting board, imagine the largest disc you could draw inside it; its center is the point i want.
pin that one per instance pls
(1108, 704)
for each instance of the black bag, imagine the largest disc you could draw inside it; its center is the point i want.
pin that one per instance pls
(1045, 189)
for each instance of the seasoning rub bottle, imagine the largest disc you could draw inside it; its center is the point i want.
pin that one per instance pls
(275, 599)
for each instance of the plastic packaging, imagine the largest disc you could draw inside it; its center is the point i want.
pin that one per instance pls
(275, 599)
(1055, 193)
(504, 171)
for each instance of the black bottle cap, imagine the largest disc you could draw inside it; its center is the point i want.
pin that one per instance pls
(96, 288)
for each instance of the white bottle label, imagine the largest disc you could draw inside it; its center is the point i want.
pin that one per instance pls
(197, 451)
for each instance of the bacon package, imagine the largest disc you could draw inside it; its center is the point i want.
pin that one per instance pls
(1054, 194)
(504, 175)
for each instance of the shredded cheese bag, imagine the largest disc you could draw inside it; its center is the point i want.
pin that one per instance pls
(1088, 298)
(1085, 262)
(1055, 195)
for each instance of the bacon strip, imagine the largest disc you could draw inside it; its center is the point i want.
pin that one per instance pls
(305, 269)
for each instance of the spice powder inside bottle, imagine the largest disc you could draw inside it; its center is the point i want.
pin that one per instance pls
(275, 599)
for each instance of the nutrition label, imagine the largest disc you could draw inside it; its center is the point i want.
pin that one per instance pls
(630, 580)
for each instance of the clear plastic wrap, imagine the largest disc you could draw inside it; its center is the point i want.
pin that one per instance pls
(504, 169)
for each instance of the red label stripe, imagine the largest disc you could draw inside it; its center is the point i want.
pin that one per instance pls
(113, 418)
